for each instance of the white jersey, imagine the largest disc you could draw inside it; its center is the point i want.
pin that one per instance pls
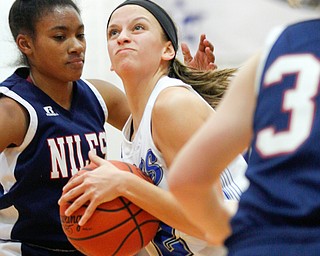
(143, 153)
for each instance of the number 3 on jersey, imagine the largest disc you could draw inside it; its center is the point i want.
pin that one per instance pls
(298, 100)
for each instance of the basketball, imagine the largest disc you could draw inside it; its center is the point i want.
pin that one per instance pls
(118, 227)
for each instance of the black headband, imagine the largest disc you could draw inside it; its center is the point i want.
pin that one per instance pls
(160, 14)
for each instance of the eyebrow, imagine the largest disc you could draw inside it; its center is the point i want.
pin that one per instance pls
(135, 19)
(139, 18)
(64, 28)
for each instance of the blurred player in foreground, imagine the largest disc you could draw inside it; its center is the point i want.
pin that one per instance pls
(273, 103)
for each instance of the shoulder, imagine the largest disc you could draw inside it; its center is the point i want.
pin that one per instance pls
(178, 101)
(115, 101)
(176, 115)
(179, 107)
(110, 93)
(105, 88)
(14, 121)
(10, 107)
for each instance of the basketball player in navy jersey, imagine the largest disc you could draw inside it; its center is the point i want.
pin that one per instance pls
(167, 102)
(273, 106)
(50, 119)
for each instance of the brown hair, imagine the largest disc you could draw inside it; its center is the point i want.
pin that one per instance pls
(211, 84)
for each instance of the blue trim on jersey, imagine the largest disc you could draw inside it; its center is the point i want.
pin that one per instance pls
(229, 187)
(167, 243)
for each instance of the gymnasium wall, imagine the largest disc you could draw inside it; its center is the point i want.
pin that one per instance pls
(237, 28)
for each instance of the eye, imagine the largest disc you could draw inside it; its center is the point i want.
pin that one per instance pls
(59, 37)
(81, 36)
(112, 32)
(138, 27)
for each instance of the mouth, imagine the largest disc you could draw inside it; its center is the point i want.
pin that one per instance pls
(124, 50)
(76, 62)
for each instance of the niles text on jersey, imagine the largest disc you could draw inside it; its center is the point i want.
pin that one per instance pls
(68, 151)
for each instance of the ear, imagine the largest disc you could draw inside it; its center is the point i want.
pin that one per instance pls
(169, 52)
(24, 44)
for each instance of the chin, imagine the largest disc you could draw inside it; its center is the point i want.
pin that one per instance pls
(126, 69)
(76, 74)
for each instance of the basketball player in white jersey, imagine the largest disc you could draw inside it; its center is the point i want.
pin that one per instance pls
(166, 111)
(49, 119)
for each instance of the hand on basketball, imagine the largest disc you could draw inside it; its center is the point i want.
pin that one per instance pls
(92, 187)
(204, 58)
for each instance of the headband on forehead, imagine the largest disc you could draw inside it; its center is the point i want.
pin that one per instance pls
(160, 14)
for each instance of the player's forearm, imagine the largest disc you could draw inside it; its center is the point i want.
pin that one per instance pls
(161, 204)
(208, 210)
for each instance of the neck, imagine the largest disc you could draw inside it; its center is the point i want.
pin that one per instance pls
(58, 91)
(138, 92)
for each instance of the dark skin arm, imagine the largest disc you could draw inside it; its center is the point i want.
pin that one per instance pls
(116, 101)
(14, 122)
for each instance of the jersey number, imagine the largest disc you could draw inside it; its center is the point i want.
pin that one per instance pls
(298, 100)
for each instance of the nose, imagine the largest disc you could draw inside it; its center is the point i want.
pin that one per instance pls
(77, 46)
(123, 37)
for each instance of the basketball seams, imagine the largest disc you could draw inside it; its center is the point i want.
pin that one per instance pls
(129, 167)
(104, 234)
(134, 219)
(115, 209)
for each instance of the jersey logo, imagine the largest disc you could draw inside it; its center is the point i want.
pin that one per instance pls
(151, 167)
(69, 153)
(49, 111)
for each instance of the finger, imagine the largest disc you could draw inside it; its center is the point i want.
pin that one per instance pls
(210, 55)
(76, 204)
(201, 43)
(96, 159)
(70, 195)
(73, 182)
(87, 214)
(186, 53)
(207, 43)
(212, 66)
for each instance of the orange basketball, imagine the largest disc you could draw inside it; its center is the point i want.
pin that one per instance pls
(118, 227)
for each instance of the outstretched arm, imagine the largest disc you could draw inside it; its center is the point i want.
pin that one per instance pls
(204, 57)
(200, 162)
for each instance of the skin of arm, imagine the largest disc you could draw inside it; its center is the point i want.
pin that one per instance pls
(116, 101)
(200, 162)
(107, 182)
(14, 122)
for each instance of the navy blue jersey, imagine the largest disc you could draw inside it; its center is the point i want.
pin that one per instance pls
(281, 207)
(32, 175)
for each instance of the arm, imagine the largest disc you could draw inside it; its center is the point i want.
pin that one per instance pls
(13, 123)
(106, 183)
(204, 58)
(116, 101)
(201, 161)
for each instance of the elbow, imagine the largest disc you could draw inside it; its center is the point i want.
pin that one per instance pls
(217, 237)
(178, 188)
